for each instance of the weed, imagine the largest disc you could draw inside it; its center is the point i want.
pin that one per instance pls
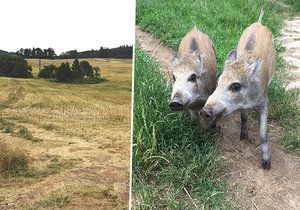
(53, 202)
(54, 167)
(13, 161)
(6, 126)
(25, 133)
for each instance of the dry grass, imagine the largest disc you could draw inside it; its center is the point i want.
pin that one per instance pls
(87, 122)
(13, 161)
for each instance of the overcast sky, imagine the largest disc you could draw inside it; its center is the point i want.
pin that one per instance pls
(66, 24)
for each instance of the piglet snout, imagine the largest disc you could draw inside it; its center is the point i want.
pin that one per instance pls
(206, 112)
(176, 104)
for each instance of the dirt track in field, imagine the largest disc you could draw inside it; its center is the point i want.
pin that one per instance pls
(250, 186)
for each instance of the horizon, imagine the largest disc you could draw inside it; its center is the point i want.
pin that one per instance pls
(82, 27)
(95, 49)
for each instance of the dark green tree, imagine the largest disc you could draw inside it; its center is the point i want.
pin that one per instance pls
(64, 73)
(14, 66)
(87, 69)
(78, 73)
(48, 72)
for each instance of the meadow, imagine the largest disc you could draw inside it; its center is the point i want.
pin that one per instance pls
(71, 142)
(176, 165)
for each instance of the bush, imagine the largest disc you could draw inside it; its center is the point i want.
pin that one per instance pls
(87, 69)
(78, 73)
(48, 72)
(13, 161)
(64, 73)
(14, 66)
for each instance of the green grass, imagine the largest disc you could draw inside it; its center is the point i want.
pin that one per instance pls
(8, 126)
(170, 154)
(54, 201)
(222, 21)
(295, 5)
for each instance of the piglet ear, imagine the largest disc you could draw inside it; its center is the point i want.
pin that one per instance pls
(253, 68)
(231, 56)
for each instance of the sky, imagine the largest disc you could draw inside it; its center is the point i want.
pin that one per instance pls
(66, 24)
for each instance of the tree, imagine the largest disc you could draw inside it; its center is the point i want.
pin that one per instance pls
(51, 53)
(14, 66)
(87, 69)
(27, 53)
(78, 72)
(48, 72)
(64, 73)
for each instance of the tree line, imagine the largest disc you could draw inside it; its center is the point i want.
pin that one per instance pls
(124, 51)
(37, 53)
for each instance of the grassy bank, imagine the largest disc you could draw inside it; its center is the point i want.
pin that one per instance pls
(171, 158)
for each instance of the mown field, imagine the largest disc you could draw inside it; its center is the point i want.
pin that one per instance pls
(70, 143)
(176, 165)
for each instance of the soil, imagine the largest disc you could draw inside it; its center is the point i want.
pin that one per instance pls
(250, 186)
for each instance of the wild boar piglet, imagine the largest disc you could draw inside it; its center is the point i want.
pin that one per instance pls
(193, 73)
(243, 85)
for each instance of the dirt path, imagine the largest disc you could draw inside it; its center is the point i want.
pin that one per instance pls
(250, 186)
(290, 39)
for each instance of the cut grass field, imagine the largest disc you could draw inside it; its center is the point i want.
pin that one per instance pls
(170, 159)
(76, 139)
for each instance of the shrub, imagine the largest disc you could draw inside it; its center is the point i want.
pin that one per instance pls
(48, 72)
(87, 69)
(78, 73)
(64, 73)
(13, 161)
(14, 66)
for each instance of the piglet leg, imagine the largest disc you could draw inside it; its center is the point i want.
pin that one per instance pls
(244, 125)
(263, 134)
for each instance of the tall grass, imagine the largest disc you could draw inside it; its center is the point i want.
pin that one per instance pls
(13, 161)
(172, 158)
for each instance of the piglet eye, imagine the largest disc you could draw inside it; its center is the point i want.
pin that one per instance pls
(174, 79)
(192, 78)
(235, 87)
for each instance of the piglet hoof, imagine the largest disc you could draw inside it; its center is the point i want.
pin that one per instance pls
(266, 164)
(243, 136)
